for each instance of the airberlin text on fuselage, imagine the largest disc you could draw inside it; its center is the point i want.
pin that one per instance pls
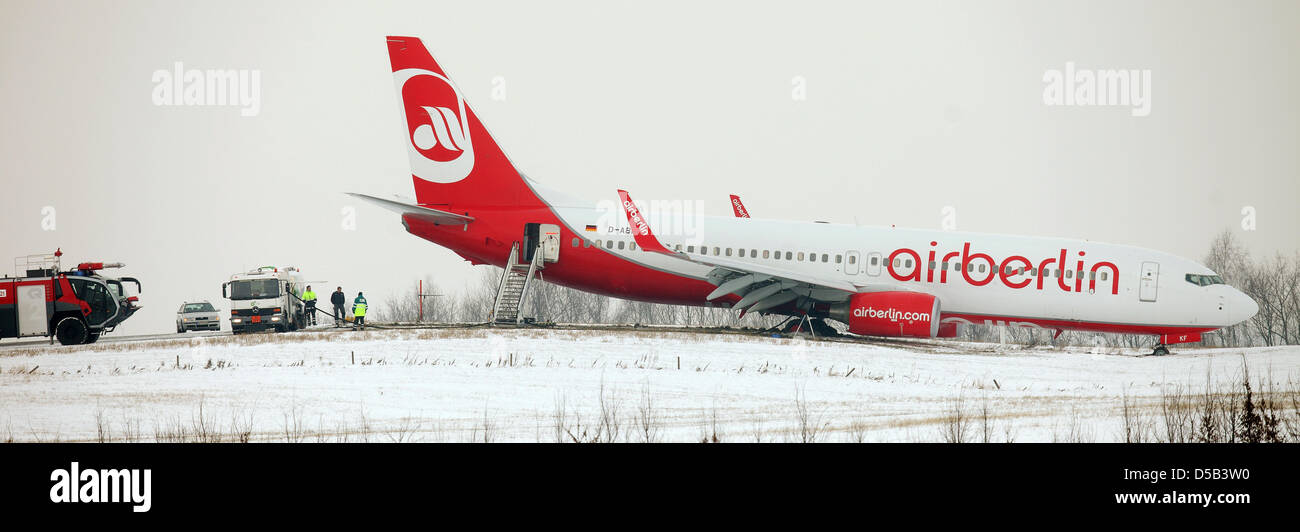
(1013, 271)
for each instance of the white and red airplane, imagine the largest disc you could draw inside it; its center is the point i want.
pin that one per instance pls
(879, 281)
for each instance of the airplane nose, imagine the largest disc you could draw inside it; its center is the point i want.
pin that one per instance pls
(1243, 307)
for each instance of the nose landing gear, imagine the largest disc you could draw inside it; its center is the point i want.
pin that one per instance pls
(1160, 350)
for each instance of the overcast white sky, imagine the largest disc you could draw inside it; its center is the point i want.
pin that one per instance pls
(911, 107)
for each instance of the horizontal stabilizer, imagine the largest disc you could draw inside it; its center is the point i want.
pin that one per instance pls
(423, 213)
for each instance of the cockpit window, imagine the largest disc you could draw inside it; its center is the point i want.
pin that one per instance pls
(1203, 280)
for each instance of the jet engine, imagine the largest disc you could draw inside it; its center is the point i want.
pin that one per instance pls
(890, 314)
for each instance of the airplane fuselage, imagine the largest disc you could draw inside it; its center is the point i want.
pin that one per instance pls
(980, 278)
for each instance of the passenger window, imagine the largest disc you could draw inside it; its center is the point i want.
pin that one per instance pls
(787, 256)
(826, 258)
(690, 249)
(931, 265)
(943, 266)
(1069, 274)
(800, 256)
(678, 248)
(907, 263)
(621, 244)
(586, 243)
(704, 250)
(631, 246)
(766, 254)
(853, 259)
(839, 259)
(1092, 276)
(728, 252)
(753, 253)
(609, 244)
(715, 251)
(575, 241)
(982, 268)
(873, 260)
(1103, 276)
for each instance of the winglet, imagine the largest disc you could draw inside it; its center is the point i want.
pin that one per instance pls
(640, 228)
(738, 207)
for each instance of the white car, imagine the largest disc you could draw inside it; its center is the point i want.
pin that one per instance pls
(197, 316)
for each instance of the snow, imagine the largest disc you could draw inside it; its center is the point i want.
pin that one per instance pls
(458, 384)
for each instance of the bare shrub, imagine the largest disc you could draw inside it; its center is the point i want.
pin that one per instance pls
(986, 420)
(808, 424)
(1137, 428)
(857, 431)
(406, 427)
(486, 431)
(293, 429)
(609, 425)
(647, 417)
(955, 427)
(1176, 413)
(101, 426)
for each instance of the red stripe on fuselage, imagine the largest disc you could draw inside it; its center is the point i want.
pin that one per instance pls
(1072, 325)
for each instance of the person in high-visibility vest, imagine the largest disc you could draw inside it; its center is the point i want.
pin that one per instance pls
(359, 312)
(309, 299)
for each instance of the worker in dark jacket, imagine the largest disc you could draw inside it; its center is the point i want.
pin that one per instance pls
(337, 299)
(359, 312)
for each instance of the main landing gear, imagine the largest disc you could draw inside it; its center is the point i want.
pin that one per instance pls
(804, 324)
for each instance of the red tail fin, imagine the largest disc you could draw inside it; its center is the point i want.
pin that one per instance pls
(738, 207)
(454, 161)
(641, 232)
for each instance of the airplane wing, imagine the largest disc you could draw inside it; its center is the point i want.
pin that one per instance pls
(424, 213)
(738, 207)
(760, 286)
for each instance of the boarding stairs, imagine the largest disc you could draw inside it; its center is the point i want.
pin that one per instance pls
(512, 289)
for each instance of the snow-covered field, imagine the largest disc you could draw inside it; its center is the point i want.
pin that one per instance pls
(547, 384)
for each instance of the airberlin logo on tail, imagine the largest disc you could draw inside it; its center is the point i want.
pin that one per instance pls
(444, 129)
(439, 144)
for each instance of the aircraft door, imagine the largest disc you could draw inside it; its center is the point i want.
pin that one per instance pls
(532, 234)
(873, 263)
(851, 263)
(550, 242)
(1149, 281)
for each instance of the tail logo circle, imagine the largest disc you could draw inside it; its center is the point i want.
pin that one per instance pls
(439, 143)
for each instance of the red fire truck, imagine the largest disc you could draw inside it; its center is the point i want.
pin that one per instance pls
(76, 306)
